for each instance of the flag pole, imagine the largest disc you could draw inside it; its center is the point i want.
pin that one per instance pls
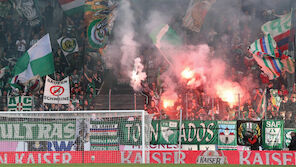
(291, 50)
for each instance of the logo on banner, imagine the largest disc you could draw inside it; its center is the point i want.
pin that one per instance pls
(247, 130)
(20, 103)
(288, 137)
(56, 92)
(168, 131)
(68, 45)
(273, 133)
(226, 136)
(211, 157)
(96, 34)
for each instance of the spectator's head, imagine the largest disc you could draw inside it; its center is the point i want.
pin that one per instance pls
(293, 134)
(152, 103)
(85, 103)
(285, 99)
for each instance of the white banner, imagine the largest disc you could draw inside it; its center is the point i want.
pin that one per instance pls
(56, 92)
(19, 103)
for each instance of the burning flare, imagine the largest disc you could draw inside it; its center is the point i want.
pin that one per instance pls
(187, 73)
(229, 92)
(167, 103)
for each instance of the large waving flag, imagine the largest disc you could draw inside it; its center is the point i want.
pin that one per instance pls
(279, 29)
(38, 60)
(267, 56)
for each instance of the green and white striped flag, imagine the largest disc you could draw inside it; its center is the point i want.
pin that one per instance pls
(38, 60)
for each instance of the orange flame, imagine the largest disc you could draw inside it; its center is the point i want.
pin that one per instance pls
(187, 73)
(168, 103)
(229, 96)
(229, 92)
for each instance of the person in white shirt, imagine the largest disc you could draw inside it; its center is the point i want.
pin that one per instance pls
(21, 46)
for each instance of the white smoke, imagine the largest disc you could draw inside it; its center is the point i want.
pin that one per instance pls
(137, 75)
(124, 61)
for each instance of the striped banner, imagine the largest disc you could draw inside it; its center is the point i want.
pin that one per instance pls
(272, 67)
(267, 55)
(265, 46)
(279, 29)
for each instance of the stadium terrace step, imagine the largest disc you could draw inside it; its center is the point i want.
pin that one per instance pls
(119, 102)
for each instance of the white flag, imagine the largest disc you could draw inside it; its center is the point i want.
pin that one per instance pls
(56, 92)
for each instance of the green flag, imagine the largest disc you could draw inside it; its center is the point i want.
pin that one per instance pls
(38, 60)
(273, 134)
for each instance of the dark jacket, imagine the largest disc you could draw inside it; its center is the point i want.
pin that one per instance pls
(292, 145)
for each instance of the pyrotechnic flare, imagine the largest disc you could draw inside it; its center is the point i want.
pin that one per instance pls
(193, 78)
(137, 75)
(187, 73)
(167, 103)
(229, 92)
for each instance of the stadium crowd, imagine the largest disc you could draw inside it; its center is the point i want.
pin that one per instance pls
(86, 70)
(232, 40)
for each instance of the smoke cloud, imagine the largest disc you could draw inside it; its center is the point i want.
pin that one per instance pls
(211, 62)
(124, 61)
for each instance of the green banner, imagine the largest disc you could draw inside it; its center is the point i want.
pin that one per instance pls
(199, 132)
(154, 132)
(104, 135)
(273, 134)
(37, 131)
(287, 132)
(130, 133)
(227, 135)
(167, 132)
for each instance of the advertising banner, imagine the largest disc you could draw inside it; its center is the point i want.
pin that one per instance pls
(60, 146)
(154, 157)
(273, 134)
(37, 131)
(287, 132)
(56, 92)
(194, 157)
(227, 135)
(249, 132)
(41, 157)
(19, 103)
